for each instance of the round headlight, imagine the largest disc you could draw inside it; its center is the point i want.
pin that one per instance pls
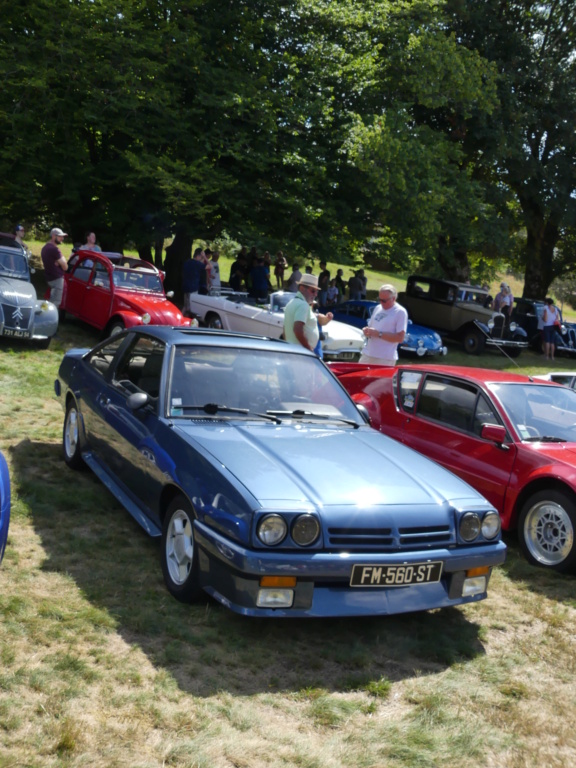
(305, 530)
(491, 324)
(146, 318)
(272, 529)
(513, 326)
(469, 526)
(491, 525)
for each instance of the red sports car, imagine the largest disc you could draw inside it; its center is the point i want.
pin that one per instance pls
(511, 437)
(112, 292)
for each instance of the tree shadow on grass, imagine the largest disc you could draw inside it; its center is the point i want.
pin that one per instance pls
(205, 647)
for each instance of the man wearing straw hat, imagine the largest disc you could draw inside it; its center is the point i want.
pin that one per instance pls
(300, 321)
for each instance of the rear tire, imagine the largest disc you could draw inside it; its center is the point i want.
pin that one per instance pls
(114, 327)
(546, 530)
(179, 554)
(213, 321)
(71, 438)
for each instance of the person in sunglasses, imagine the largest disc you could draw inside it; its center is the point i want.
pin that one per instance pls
(385, 330)
(301, 323)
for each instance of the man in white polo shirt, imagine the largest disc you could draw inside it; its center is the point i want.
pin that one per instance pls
(385, 330)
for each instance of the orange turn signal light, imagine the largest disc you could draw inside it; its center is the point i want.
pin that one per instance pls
(278, 581)
(484, 570)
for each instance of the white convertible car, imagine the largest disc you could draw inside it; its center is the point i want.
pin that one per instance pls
(237, 312)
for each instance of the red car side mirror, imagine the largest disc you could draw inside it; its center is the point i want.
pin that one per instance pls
(494, 432)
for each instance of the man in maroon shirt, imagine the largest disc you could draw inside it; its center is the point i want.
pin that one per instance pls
(54, 265)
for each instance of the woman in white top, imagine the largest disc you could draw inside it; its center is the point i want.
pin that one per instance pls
(551, 319)
(506, 301)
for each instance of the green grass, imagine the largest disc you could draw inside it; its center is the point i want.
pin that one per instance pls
(99, 666)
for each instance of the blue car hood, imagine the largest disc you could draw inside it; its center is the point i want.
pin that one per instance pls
(324, 466)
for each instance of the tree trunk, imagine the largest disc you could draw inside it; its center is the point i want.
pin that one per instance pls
(179, 250)
(145, 252)
(453, 260)
(158, 248)
(542, 238)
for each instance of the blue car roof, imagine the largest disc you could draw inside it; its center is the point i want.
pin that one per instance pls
(212, 337)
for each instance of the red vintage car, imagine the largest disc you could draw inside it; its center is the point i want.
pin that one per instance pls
(511, 437)
(112, 292)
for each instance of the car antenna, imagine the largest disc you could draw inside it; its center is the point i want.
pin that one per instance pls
(499, 347)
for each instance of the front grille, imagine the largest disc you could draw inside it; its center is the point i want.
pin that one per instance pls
(16, 317)
(433, 534)
(360, 537)
(415, 537)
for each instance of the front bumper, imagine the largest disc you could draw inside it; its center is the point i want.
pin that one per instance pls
(508, 343)
(231, 574)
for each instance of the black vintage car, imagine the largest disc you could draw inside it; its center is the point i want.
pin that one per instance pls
(528, 313)
(461, 312)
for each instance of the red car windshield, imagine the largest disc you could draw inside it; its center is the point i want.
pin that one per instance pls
(539, 412)
(137, 280)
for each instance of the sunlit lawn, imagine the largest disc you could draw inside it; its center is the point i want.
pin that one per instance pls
(100, 667)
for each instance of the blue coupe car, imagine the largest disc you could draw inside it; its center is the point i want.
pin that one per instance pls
(418, 341)
(4, 504)
(268, 488)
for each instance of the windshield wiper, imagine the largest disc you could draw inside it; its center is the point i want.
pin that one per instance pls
(212, 409)
(544, 439)
(299, 414)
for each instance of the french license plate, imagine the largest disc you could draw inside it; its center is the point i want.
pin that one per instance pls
(16, 333)
(395, 575)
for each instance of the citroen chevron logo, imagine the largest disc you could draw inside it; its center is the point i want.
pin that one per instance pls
(17, 316)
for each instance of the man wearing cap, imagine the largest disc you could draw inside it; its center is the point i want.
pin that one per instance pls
(300, 322)
(18, 236)
(385, 330)
(54, 265)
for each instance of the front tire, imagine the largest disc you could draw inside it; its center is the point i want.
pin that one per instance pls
(71, 438)
(546, 530)
(179, 554)
(474, 342)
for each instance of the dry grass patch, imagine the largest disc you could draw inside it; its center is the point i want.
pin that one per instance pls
(99, 666)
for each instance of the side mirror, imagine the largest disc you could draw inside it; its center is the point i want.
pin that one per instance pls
(494, 432)
(363, 412)
(137, 400)
(170, 295)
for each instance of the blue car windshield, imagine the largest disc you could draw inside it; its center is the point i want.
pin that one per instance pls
(261, 381)
(539, 412)
(13, 264)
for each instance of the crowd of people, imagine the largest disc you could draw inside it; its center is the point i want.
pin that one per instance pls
(252, 272)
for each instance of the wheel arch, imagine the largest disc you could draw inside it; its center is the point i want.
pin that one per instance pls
(169, 493)
(214, 315)
(536, 486)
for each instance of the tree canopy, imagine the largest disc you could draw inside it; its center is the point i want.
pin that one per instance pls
(419, 131)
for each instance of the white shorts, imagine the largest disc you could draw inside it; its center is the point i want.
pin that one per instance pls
(376, 360)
